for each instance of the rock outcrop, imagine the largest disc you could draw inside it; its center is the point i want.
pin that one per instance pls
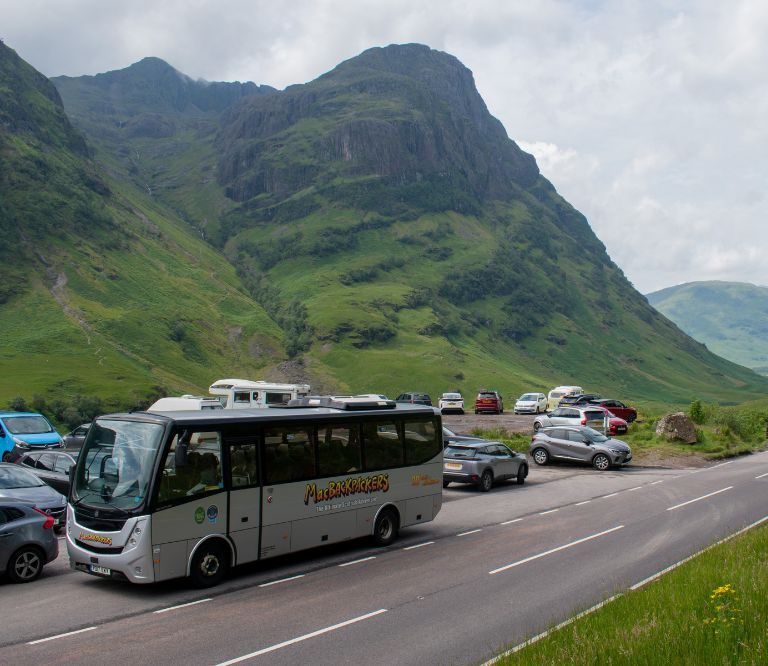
(677, 426)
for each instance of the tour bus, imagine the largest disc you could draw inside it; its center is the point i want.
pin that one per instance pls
(245, 394)
(156, 496)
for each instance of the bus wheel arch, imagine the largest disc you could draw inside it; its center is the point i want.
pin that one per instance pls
(386, 525)
(210, 561)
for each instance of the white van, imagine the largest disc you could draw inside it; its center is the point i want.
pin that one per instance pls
(245, 394)
(553, 399)
(184, 402)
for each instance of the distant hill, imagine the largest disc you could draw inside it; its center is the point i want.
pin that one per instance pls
(731, 318)
(374, 230)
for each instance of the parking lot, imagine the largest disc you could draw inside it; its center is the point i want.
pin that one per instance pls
(464, 424)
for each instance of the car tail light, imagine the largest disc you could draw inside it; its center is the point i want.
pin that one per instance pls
(583, 420)
(48, 524)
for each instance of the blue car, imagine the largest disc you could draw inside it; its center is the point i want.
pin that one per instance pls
(26, 430)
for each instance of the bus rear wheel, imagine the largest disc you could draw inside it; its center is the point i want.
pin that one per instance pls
(386, 528)
(209, 565)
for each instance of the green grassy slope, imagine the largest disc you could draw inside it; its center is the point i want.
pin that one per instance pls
(731, 318)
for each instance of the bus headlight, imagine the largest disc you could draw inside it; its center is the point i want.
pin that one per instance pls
(135, 536)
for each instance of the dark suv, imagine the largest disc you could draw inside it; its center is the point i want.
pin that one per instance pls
(578, 399)
(415, 398)
(489, 401)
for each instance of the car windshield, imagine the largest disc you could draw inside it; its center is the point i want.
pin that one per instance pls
(594, 435)
(460, 452)
(528, 397)
(15, 477)
(451, 396)
(116, 464)
(486, 395)
(28, 425)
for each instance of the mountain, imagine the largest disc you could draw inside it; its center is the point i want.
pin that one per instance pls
(374, 230)
(103, 292)
(731, 318)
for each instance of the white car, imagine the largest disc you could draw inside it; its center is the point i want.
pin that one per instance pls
(531, 403)
(451, 402)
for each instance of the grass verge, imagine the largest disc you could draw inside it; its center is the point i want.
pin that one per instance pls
(710, 610)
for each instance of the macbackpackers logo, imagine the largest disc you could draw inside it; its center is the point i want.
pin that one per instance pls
(347, 487)
(96, 538)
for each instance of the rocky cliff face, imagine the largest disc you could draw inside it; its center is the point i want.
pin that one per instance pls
(400, 114)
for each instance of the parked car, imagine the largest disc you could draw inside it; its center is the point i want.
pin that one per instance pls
(578, 399)
(489, 401)
(450, 437)
(451, 402)
(26, 430)
(74, 439)
(483, 463)
(50, 466)
(616, 426)
(586, 416)
(581, 444)
(19, 483)
(629, 414)
(531, 403)
(557, 393)
(415, 398)
(27, 540)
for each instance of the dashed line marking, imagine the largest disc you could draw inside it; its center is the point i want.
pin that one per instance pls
(419, 545)
(555, 550)
(611, 495)
(582, 503)
(635, 488)
(655, 482)
(282, 580)
(362, 559)
(544, 513)
(469, 532)
(761, 476)
(717, 492)
(69, 633)
(509, 522)
(191, 603)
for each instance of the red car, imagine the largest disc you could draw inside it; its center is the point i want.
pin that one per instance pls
(616, 425)
(489, 401)
(629, 414)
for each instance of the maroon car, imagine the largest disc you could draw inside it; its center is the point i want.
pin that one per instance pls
(489, 401)
(629, 414)
(616, 425)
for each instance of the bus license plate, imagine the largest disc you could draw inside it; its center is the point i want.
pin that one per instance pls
(100, 571)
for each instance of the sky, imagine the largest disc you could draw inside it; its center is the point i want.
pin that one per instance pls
(650, 117)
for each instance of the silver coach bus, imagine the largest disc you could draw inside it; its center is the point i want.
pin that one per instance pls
(156, 496)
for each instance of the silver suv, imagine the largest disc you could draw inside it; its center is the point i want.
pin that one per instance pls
(572, 416)
(580, 444)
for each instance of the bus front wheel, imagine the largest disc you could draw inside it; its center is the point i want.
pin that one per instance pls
(209, 565)
(386, 527)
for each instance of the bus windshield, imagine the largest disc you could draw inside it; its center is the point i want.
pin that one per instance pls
(115, 465)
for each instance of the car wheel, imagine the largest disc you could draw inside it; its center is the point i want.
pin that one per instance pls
(486, 481)
(446, 484)
(540, 456)
(601, 462)
(7, 456)
(522, 472)
(386, 528)
(536, 426)
(209, 565)
(25, 565)
(538, 410)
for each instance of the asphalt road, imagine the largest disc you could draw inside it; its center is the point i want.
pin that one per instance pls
(492, 570)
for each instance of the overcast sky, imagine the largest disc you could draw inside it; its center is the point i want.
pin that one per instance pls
(650, 117)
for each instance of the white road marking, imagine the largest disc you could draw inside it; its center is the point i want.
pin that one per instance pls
(364, 559)
(509, 522)
(544, 513)
(69, 633)
(282, 580)
(761, 476)
(655, 482)
(546, 633)
(419, 545)
(635, 488)
(191, 603)
(717, 492)
(611, 495)
(470, 532)
(730, 462)
(658, 574)
(305, 637)
(584, 502)
(554, 550)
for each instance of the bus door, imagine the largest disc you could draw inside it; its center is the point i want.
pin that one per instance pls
(191, 500)
(245, 497)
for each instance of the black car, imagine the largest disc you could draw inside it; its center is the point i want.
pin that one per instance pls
(579, 399)
(50, 466)
(74, 439)
(18, 482)
(414, 398)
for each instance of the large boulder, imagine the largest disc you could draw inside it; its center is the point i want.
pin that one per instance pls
(677, 426)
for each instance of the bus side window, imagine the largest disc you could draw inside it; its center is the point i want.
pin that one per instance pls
(338, 451)
(289, 454)
(244, 471)
(382, 446)
(197, 472)
(421, 441)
